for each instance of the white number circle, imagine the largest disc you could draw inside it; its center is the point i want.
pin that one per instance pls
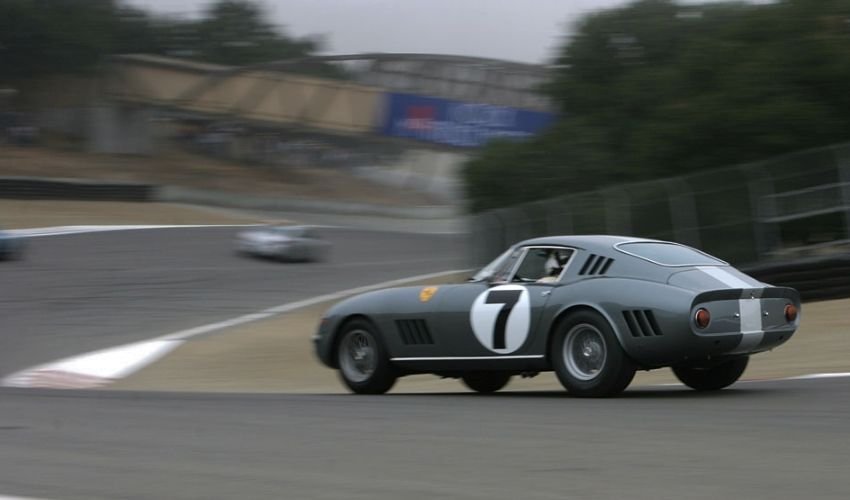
(501, 318)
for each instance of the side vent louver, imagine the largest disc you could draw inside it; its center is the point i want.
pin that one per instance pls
(642, 323)
(414, 331)
(596, 265)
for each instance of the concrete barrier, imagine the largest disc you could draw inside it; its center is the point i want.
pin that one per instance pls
(31, 188)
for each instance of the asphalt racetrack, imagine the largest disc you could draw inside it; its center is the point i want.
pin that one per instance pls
(77, 293)
(764, 440)
(72, 294)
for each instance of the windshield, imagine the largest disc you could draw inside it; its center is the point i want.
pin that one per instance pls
(490, 269)
(669, 254)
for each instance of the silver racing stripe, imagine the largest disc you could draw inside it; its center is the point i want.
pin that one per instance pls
(727, 278)
(751, 326)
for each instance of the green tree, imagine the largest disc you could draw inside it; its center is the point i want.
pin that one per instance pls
(41, 37)
(658, 88)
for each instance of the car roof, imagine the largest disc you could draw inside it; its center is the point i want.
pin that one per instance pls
(587, 241)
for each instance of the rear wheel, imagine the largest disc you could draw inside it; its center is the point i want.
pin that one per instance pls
(713, 377)
(363, 363)
(588, 358)
(486, 382)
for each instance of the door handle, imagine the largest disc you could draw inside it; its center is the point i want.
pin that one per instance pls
(545, 293)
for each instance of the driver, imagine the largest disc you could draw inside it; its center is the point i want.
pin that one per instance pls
(553, 267)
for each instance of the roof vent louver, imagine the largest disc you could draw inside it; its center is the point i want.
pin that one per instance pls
(414, 332)
(596, 265)
(642, 323)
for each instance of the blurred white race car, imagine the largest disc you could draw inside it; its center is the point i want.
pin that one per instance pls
(288, 243)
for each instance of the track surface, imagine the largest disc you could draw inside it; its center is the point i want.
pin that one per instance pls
(76, 293)
(778, 440)
(72, 294)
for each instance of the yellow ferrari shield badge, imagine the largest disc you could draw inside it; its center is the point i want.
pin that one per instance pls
(426, 293)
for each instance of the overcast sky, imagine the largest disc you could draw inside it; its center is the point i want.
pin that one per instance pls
(518, 30)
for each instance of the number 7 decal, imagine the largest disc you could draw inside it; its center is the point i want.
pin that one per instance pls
(508, 298)
(501, 318)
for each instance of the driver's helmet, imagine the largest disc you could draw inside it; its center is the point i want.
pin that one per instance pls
(555, 263)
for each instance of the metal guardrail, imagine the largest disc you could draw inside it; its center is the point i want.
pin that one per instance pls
(817, 278)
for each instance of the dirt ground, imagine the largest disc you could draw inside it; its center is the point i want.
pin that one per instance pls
(275, 355)
(15, 214)
(177, 167)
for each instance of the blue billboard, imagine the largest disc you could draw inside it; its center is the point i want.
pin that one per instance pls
(458, 123)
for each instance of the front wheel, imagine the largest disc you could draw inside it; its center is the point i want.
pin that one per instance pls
(713, 377)
(588, 358)
(486, 382)
(363, 364)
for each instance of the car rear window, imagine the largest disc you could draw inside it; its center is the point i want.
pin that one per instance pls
(669, 254)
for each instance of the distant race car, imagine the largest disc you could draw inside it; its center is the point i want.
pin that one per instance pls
(290, 243)
(592, 308)
(10, 246)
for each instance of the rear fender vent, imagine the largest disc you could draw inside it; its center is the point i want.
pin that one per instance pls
(596, 265)
(414, 331)
(642, 323)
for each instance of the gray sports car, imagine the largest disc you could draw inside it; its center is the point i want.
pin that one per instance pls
(592, 308)
(290, 243)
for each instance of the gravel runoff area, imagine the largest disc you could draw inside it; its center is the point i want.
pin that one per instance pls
(275, 355)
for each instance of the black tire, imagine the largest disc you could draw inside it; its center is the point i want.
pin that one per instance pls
(713, 377)
(486, 382)
(588, 358)
(362, 359)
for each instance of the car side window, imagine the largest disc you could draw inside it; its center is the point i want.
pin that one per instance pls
(542, 265)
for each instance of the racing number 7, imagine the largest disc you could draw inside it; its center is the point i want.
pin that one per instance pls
(509, 298)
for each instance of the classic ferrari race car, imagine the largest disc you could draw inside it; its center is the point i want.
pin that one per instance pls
(592, 308)
(287, 243)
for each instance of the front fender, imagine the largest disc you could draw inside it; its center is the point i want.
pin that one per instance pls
(379, 307)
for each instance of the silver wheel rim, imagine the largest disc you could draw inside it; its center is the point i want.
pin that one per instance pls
(357, 356)
(585, 351)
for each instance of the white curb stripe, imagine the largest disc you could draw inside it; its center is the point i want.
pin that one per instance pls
(60, 230)
(810, 376)
(818, 375)
(101, 367)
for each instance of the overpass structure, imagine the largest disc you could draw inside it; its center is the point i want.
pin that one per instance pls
(413, 117)
(474, 93)
(255, 94)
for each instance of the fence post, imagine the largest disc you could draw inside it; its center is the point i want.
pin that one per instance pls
(560, 215)
(683, 211)
(762, 208)
(842, 162)
(617, 210)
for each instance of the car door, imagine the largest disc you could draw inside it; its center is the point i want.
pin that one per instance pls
(497, 319)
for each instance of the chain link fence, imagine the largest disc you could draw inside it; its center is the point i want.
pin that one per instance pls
(784, 207)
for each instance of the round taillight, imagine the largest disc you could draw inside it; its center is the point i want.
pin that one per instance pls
(702, 318)
(790, 313)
